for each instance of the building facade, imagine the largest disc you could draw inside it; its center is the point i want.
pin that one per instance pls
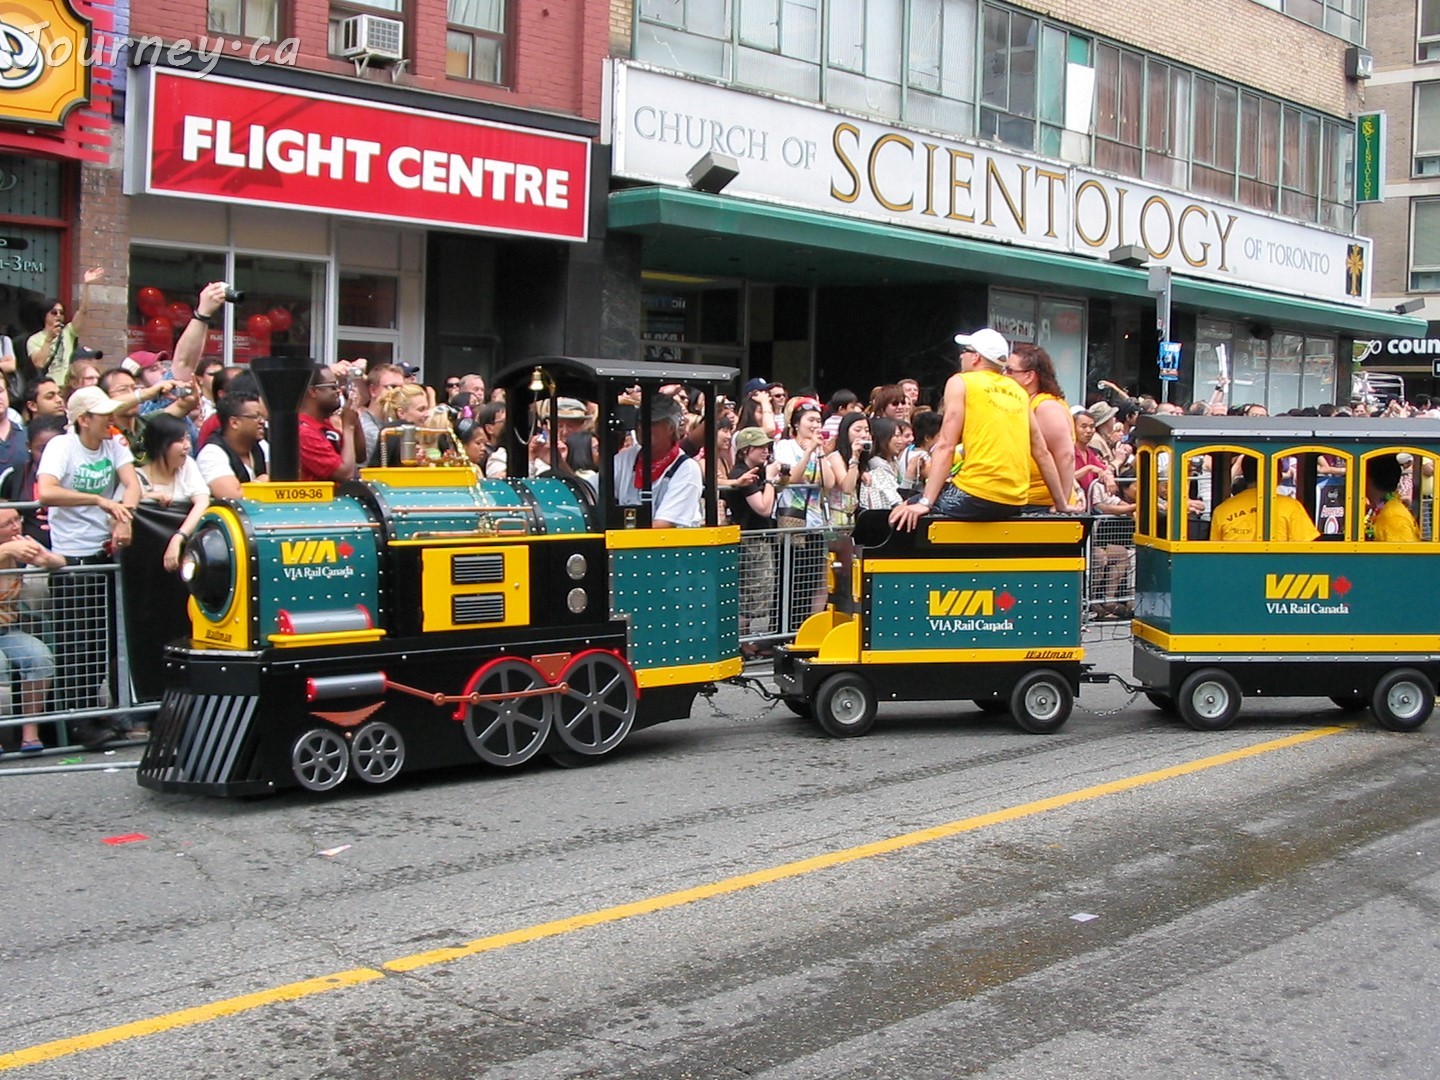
(402, 181)
(1404, 36)
(904, 169)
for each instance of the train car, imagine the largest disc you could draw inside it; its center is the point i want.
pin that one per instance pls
(1225, 613)
(424, 617)
(989, 611)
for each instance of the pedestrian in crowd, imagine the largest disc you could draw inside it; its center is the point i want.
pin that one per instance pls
(1089, 465)
(1106, 432)
(20, 485)
(915, 460)
(800, 458)
(1032, 368)
(583, 455)
(235, 453)
(882, 491)
(380, 380)
(451, 386)
(171, 477)
(491, 418)
(1114, 499)
(840, 403)
(87, 479)
(82, 373)
(52, 347)
(911, 389)
(845, 465)
(675, 480)
(10, 368)
(404, 406)
(751, 498)
(889, 401)
(14, 450)
(757, 410)
(42, 398)
(328, 451)
(990, 415)
(205, 372)
(571, 416)
(22, 653)
(1386, 517)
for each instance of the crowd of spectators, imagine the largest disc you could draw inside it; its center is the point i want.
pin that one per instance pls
(83, 443)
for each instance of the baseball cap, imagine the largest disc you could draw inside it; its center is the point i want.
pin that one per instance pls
(990, 344)
(87, 400)
(665, 408)
(745, 438)
(409, 369)
(753, 385)
(569, 408)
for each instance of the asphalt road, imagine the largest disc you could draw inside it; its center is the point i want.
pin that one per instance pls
(737, 895)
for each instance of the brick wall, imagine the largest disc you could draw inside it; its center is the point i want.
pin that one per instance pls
(103, 240)
(1236, 39)
(555, 59)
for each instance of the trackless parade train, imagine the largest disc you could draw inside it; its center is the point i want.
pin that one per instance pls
(422, 617)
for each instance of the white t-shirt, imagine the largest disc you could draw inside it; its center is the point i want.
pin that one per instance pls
(676, 493)
(213, 462)
(83, 530)
(187, 484)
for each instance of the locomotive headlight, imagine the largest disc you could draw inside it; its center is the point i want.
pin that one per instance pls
(207, 568)
(576, 566)
(577, 601)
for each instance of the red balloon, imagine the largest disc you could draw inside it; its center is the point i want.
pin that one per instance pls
(258, 326)
(159, 333)
(150, 301)
(180, 312)
(280, 319)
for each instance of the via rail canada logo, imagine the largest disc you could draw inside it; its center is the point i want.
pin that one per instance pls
(970, 609)
(1306, 594)
(306, 559)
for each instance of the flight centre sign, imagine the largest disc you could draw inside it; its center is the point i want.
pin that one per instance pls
(234, 142)
(802, 155)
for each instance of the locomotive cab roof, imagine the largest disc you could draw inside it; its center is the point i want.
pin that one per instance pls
(1287, 429)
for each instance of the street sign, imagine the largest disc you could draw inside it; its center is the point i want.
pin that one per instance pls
(1169, 361)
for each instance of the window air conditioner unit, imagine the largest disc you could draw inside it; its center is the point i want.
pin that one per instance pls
(370, 37)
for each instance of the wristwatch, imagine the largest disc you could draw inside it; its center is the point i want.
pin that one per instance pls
(920, 500)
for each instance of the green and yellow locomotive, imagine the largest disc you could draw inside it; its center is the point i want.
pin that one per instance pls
(424, 617)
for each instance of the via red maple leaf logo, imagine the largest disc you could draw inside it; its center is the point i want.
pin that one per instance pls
(1341, 586)
(344, 549)
(1005, 601)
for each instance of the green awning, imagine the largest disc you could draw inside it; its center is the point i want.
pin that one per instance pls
(692, 233)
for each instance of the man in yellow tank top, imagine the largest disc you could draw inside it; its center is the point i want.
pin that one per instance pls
(989, 414)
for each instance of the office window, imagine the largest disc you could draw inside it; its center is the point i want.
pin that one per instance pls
(1337, 177)
(244, 18)
(1167, 124)
(1259, 151)
(1119, 90)
(1299, 164)
(865, 56)
(1427, 43)
(1007, 78)
(1427, 129)
(1217, 108)
(941, 72)
(1425, 245)
(1342, 18)
(475, 40)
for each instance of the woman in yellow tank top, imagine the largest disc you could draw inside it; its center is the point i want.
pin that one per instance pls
(1031, 367)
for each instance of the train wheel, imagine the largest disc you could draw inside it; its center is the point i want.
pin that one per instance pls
(319, 759)
(513, 729)
(1403, 699)
(1164, 702)
(993, 706)
(845, 706)
(377, 753)
(1350, 702)
(598, 710)
(800, 706)
(1209, 700)
(1041, 702)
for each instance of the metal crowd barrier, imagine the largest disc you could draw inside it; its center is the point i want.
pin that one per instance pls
(63, 654)
(1110, 570)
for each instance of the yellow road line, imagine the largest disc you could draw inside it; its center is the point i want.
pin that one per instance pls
(309, 987)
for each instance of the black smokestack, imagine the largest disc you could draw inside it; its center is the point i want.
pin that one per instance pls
(283, 381)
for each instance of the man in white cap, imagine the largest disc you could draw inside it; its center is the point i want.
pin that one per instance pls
(990, 416)
(87, 479)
